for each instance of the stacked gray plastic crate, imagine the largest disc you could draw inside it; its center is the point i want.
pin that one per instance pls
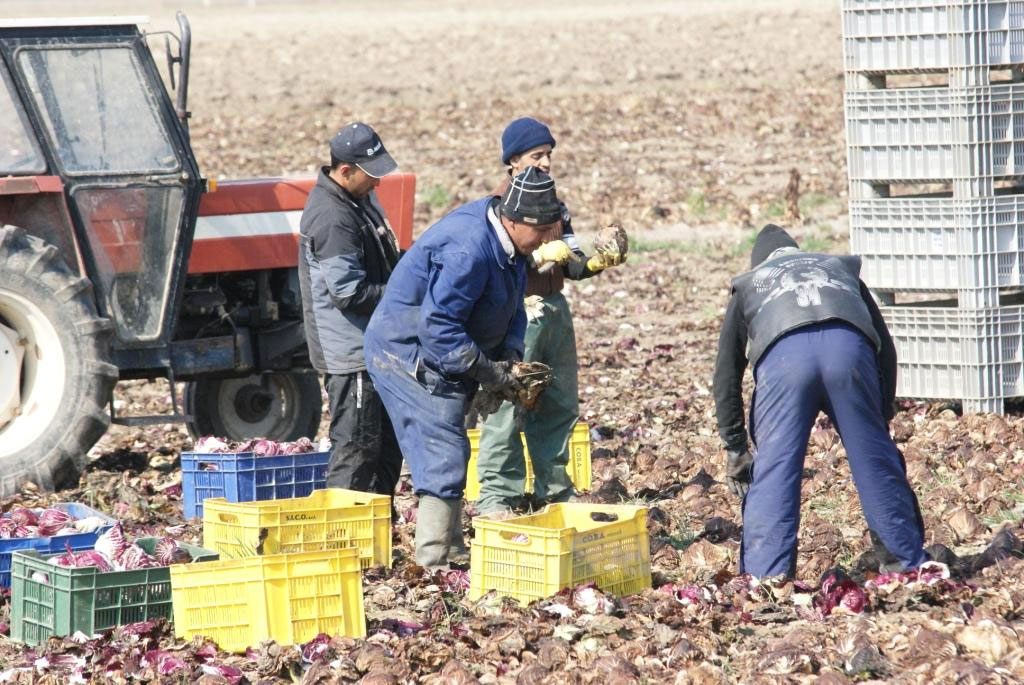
(966, 136)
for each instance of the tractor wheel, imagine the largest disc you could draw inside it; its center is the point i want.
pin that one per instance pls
(55, 373)
(276, 406)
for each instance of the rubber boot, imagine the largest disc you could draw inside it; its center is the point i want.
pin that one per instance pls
(458, 552)
(434, 529)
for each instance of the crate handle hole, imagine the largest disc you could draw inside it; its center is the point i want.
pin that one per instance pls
(227, 518)
(208, 466)
(517, 538)
(603, 517)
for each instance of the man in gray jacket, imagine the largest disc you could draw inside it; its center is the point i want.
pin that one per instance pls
(347, 251)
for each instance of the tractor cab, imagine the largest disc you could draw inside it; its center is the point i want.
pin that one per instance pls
(98, 196)
(84, 105)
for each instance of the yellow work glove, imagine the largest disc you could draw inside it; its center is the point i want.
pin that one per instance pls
(534, 305)
(601, 261)
(555, 252)
(610, 248)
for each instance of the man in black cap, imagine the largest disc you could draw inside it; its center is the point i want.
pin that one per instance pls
(817, 342)
(451, 320)
(347, 251)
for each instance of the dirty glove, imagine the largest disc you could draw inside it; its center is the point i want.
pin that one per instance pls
(610, 248)
(738, 466)
(510, 355)
(555, 252)
(534, 306)
(496, 377)
(601, 261)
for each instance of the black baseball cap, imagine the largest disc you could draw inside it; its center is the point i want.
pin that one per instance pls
(359, 144)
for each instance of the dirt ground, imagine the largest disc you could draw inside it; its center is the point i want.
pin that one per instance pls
(685, 121)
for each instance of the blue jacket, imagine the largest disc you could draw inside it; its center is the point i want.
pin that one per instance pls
(456, 295)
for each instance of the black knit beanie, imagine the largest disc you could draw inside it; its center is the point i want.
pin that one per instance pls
(768, 240)
(531, 199)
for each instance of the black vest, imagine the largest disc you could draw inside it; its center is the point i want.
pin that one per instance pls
(798, 289)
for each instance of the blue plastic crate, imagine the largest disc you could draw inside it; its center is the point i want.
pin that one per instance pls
(245, 477)
(57, 543)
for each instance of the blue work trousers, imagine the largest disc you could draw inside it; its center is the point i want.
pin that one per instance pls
(428, 414)
(828, 367)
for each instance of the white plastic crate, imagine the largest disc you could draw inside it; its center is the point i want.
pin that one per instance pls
(940, 244)
(935, 134)
(973, 355)
(886, 36)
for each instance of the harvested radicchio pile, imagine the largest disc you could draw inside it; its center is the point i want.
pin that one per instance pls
(22, 522)
(114, 552)
(259, 447)
(53, 520)
(72, 559)
(168, 552)
(23, 517)
(113, 543)
(134, 557)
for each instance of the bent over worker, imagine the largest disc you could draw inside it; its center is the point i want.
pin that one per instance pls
(817, 342)
(347, 251)
(550, 339)
(452, 320)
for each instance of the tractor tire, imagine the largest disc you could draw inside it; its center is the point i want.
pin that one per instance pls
(276, 406)
(64, 380)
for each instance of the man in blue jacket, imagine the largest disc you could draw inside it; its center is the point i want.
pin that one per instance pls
(452, 320)
(817, 342)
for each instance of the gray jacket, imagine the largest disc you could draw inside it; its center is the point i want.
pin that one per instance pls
(346, 254)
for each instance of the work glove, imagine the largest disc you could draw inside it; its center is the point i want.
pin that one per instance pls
(555, 252)
(610, 248)
(601, 261)
(738, 467)
(510, 354)
(534, 306)
(496, 377)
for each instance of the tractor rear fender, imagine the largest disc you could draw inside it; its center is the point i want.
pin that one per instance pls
(37, 205)
(254, 224)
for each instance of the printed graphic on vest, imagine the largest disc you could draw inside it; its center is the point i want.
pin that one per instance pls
(803, 276)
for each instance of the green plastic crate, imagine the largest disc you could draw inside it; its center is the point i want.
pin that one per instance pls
(87, 599)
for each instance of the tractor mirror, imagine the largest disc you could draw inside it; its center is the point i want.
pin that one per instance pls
(172, 59)
(183, 56)
(179, 84)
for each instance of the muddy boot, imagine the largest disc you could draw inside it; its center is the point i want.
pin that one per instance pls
(433, 530)
(458, 552)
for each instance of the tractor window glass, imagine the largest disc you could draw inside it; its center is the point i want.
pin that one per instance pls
(97, 110)
(131, 234)
(19, 153)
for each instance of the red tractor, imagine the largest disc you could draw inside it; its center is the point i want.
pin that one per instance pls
(115, 265)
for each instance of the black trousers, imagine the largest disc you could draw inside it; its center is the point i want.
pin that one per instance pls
(364, 451)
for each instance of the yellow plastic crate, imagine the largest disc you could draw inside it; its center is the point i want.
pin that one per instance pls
(535, 556)
(290, 598)
(326, 519)
(578, 466)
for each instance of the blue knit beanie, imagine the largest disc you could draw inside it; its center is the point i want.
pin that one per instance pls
(522, 135)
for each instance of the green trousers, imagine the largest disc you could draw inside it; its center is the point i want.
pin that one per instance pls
(501, 466)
